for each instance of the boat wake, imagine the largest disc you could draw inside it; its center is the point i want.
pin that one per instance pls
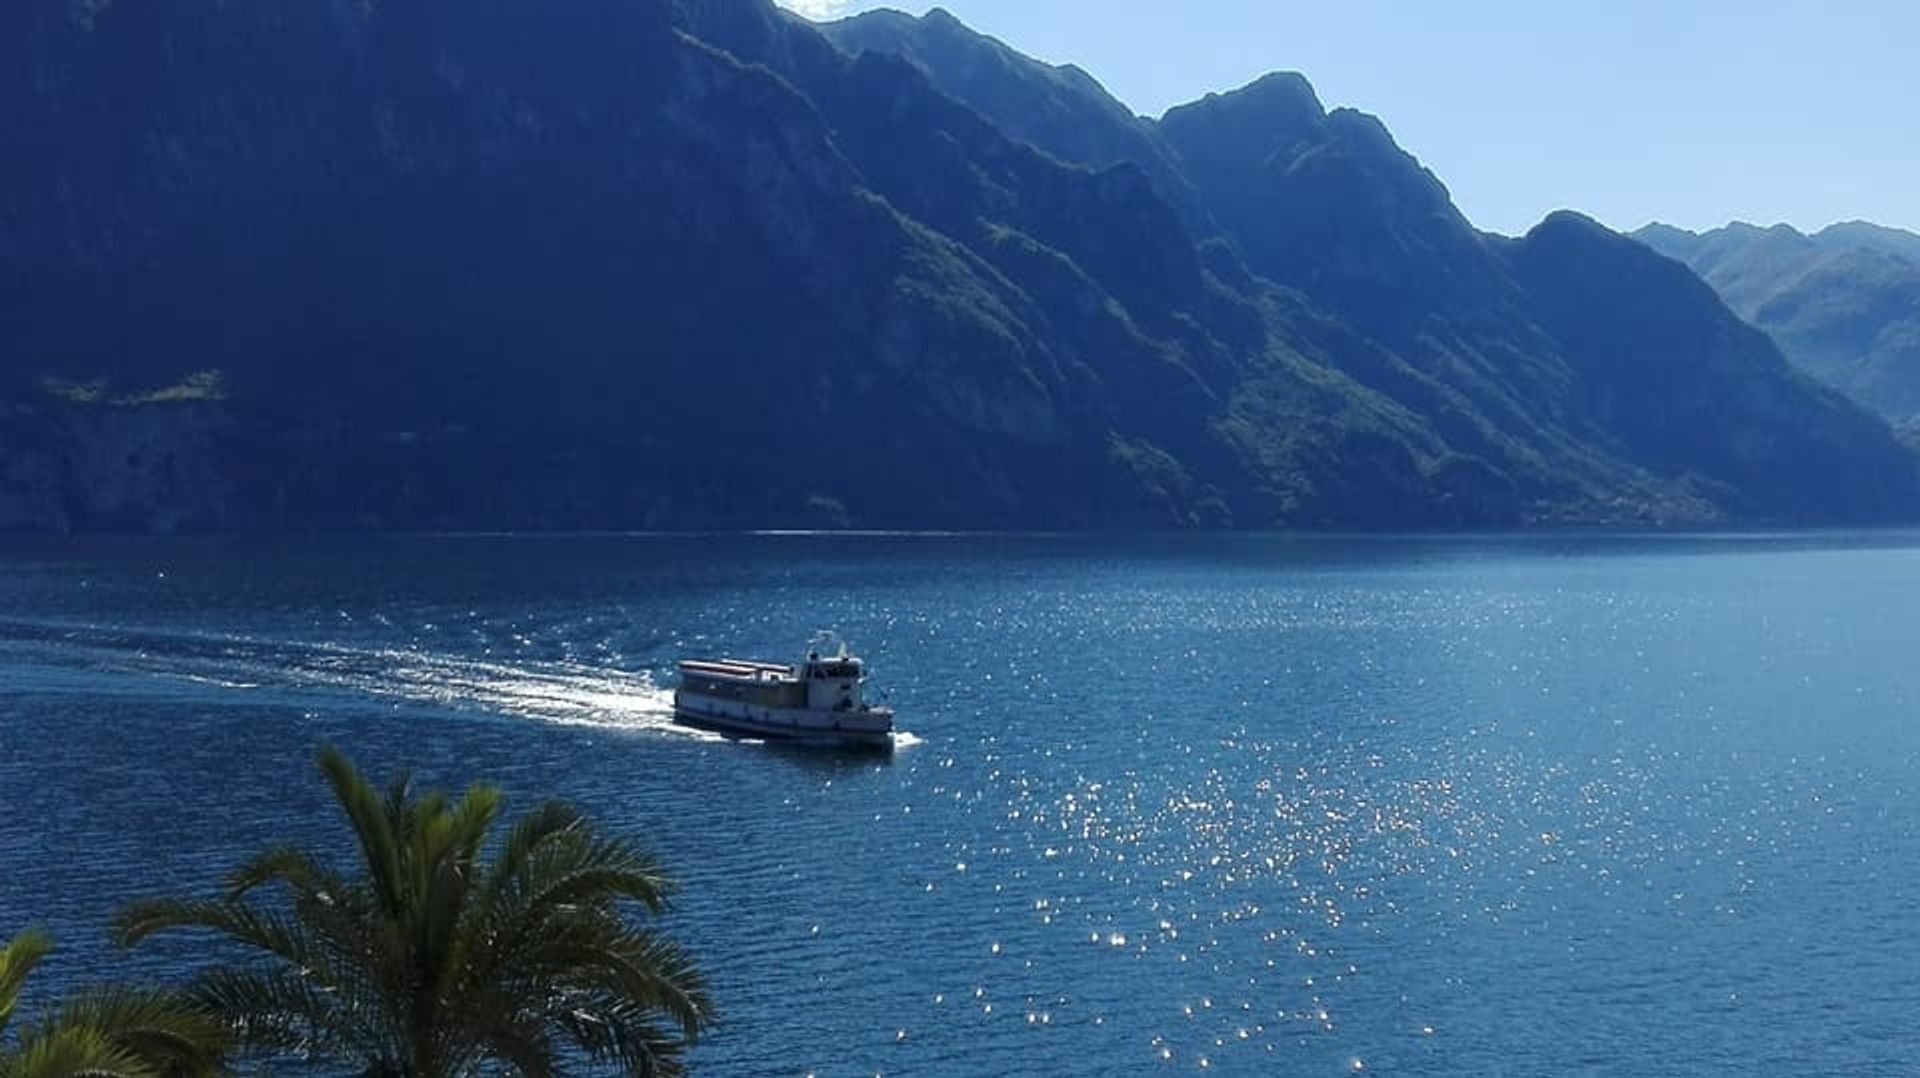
(58, 657)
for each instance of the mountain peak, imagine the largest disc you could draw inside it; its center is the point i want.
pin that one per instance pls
(1665, 231)
(1560, 220)
(1288, 83)
(1059, 108)
(1896, 242)
(1280, 91)
(1750, 229)
(938, 40)
(1276, 108)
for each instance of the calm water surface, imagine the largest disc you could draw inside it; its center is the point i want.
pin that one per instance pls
(1248, 804)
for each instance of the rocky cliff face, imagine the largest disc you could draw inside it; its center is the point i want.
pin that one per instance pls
(150, 467)
(1060, 110)
(689, 263)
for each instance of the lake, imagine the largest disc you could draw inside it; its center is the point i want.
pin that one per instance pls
(1252, 804)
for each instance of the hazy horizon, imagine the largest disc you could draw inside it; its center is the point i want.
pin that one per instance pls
(1631, 113)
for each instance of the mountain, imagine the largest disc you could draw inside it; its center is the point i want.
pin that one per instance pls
(1361, 237)
(698, 263)
(1897, 242)
(1059, 109)
(1843, 303)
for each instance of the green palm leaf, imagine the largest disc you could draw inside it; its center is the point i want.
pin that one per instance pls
(106, 1033)
(373, 822)
(17, 960)
(155, 1026)
(436, 959)
(72, 1052)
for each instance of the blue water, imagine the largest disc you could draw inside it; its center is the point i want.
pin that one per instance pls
(1250, 804)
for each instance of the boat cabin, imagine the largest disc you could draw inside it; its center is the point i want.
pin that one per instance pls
(833, 682)
(817, 698)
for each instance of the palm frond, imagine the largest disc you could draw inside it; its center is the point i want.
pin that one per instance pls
(469, 820)
(673, 981)
(652, 973)
(373, 825)
(273, 933)
(76, 1052)
(287, 865)
(275, 1009)
(612, 1030)
(547, 822)
(163, 1029)
(501, 1027)
(17, 960)
(436, 958)
(576, 868)
(577, 888)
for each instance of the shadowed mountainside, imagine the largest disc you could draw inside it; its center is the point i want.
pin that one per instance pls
(689, 263)
(1366, 242)
(1843, 303)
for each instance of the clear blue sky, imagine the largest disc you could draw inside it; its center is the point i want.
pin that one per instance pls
(1693, 112)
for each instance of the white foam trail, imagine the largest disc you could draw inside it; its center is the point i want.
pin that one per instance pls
(562, 693)
(567, 694)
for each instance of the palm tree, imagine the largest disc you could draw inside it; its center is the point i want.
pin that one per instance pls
(107, 1033)
(435, 960)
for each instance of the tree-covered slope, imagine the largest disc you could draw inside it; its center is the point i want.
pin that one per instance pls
(685, 263)
(1379, 276)
(1897, 242)
(1661, 366)
(1489, 334)
(580, 282)
(1843, 303)
(473, 265)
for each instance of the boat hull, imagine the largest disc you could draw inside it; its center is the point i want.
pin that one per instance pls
(867, 728)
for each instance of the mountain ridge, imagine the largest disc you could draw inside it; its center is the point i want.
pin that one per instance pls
(1843, 302)
(697, 263)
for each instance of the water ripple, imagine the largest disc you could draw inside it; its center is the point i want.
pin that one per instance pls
(1435, 807)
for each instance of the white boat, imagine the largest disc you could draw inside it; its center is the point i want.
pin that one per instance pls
(820, 699)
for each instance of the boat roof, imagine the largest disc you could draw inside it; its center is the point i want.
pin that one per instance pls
(756, 670)
(734, 667)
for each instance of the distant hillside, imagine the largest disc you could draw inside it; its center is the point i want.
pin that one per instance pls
(1383, 279)
(1890, 241)
(1843, 303)
(698, 263)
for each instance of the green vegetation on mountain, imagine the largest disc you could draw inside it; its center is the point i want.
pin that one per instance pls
(686, 263)
(1843, 303)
